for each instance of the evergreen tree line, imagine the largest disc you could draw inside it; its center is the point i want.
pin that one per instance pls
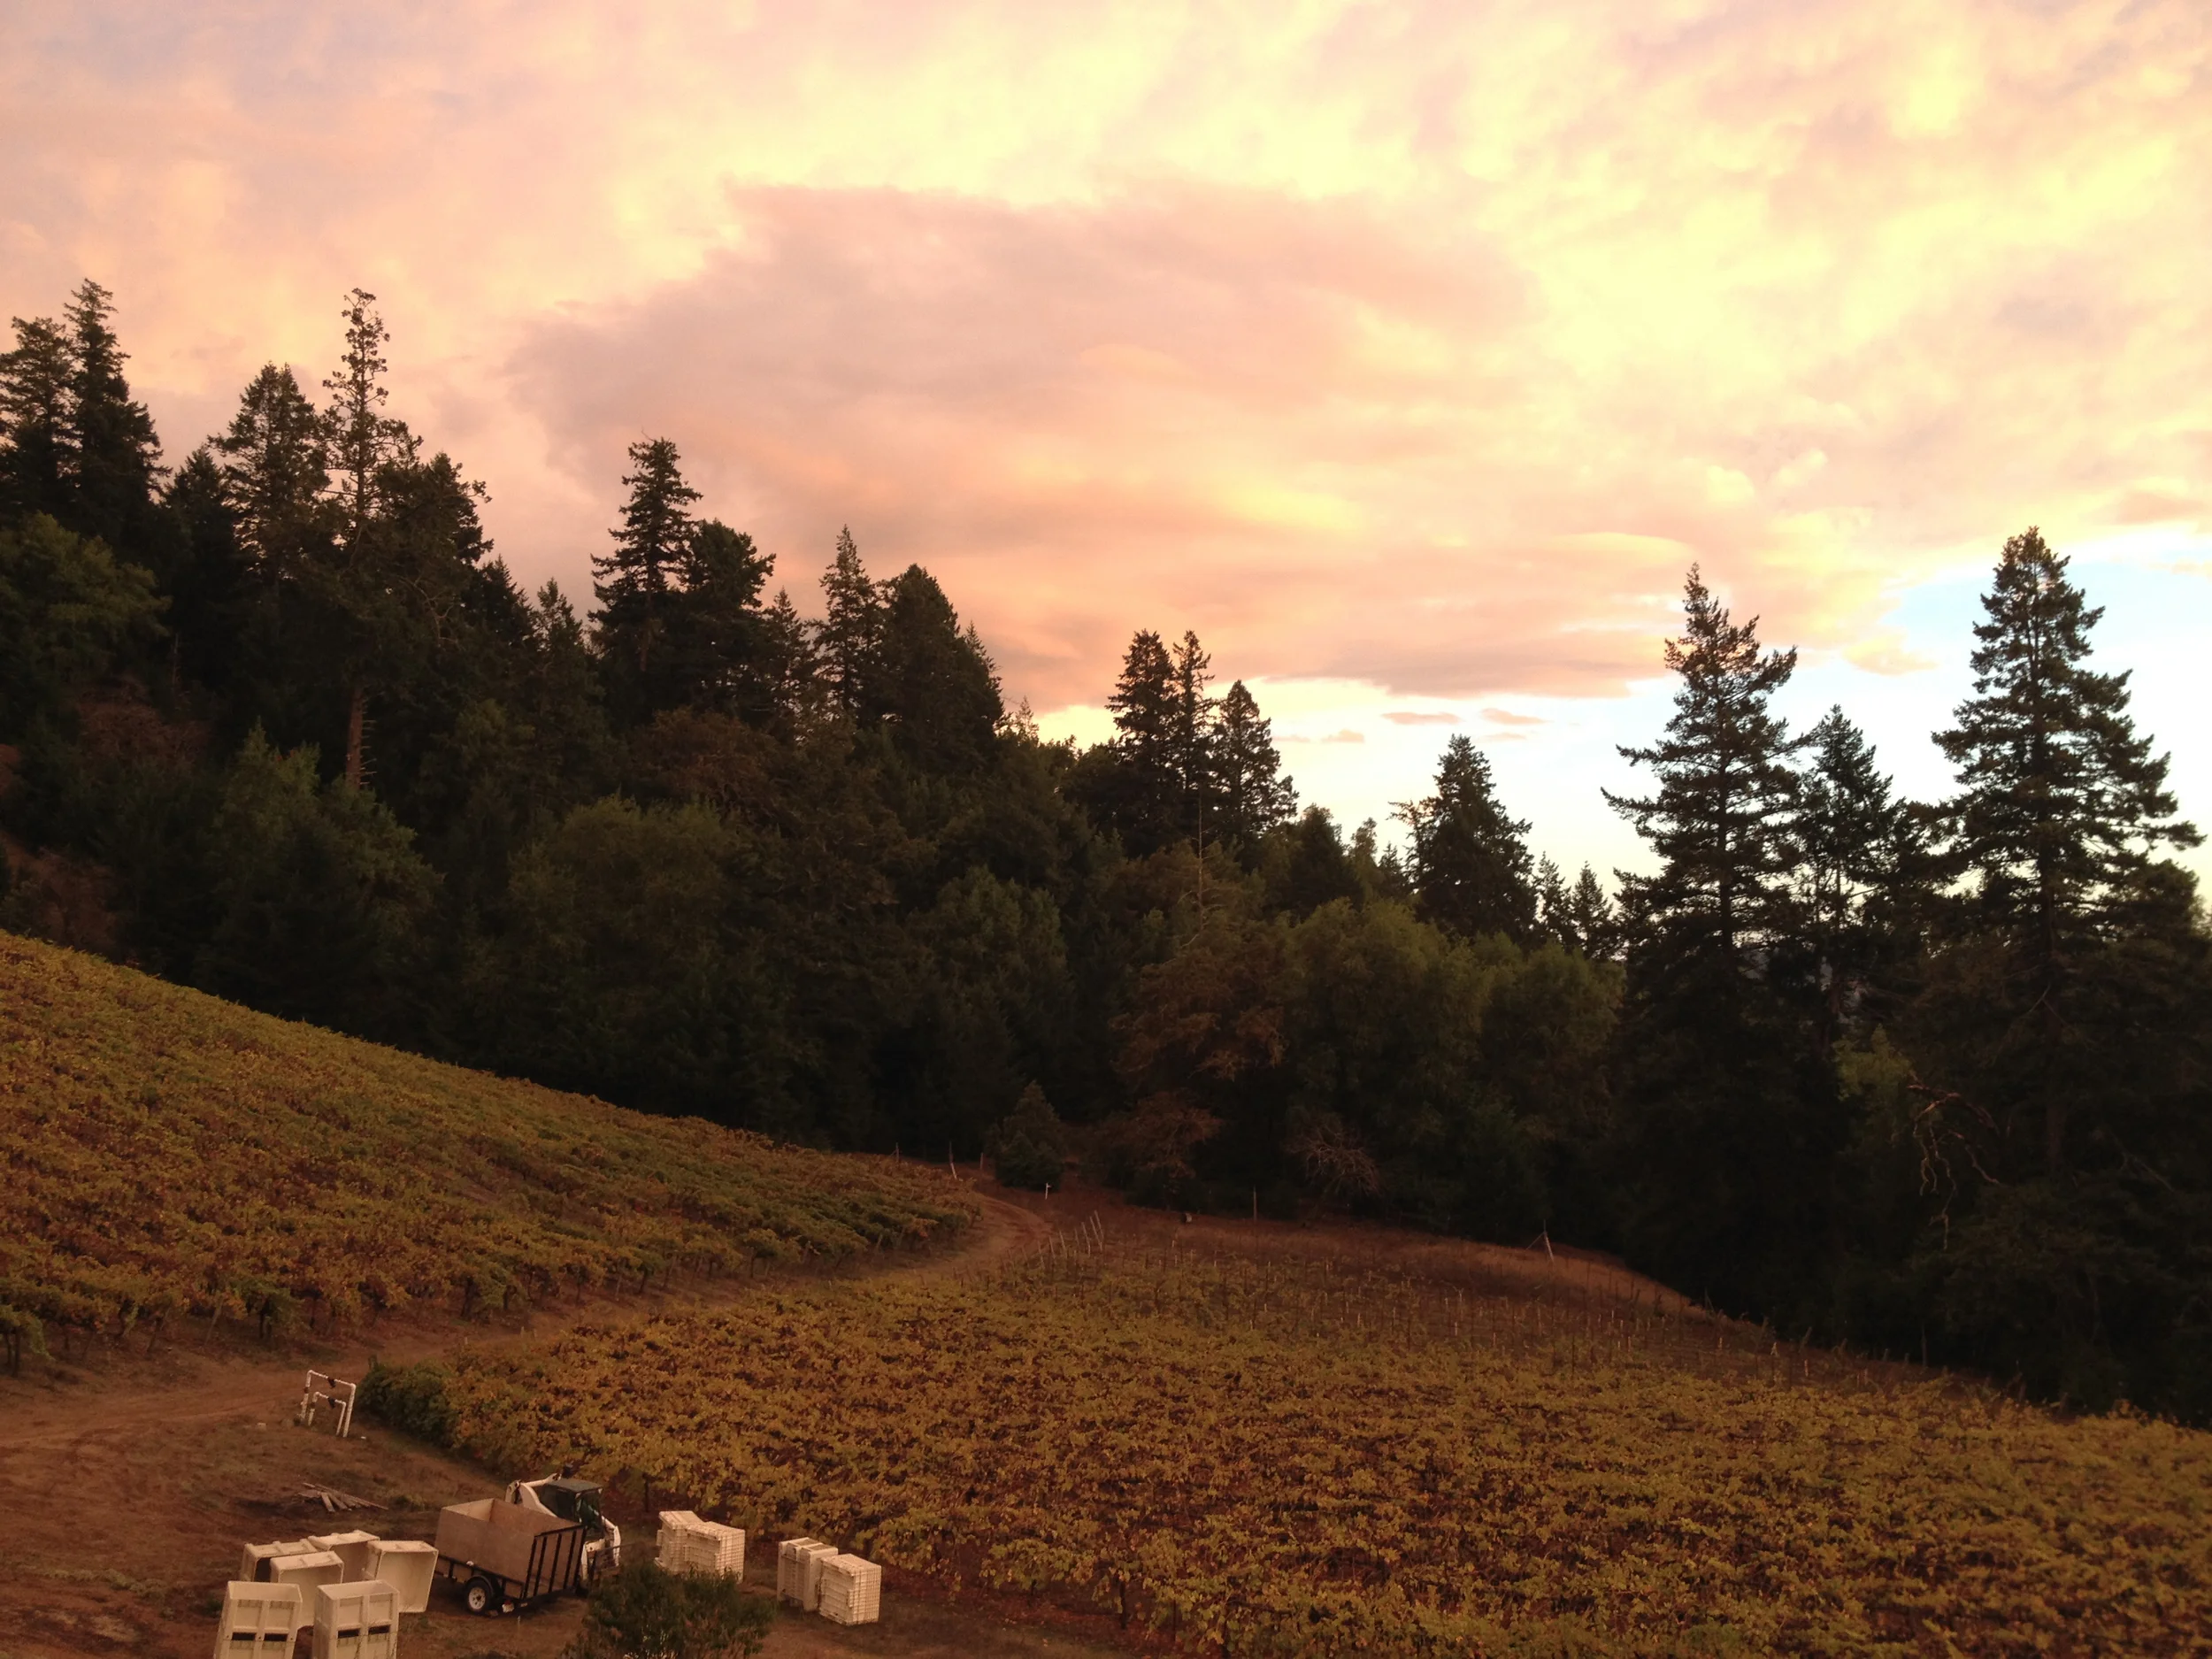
(1930, 1077)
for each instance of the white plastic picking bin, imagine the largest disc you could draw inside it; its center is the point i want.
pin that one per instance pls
(253, 1565)
(409, 1567)
(851, 1590)
(359, 1620)
(308, 1571)
(352, 1549)
(258, 1620)
(798, 1570)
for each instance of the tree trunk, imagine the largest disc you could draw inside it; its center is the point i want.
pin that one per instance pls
(357, 719)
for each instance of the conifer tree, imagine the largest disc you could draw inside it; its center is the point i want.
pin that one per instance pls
(1140, 792)
(634, 583)
(789, 672)
(1590, 916)
(934, 684)
(1554, 919)
(276, 476)
(851, 626)
(361, 439)
(208, 580)
(1469, 858)
(118, 458)
(367, 450)
(1729, 1120)
(1859, 856)
(1720, 820)
(716, 636)
(1254, 796)
(2061, 805)
(38, 454)
(1192, 718)
(1306, 864)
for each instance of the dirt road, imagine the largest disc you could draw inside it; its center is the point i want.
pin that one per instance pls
(131, 1482)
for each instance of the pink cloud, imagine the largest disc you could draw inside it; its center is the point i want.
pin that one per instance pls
(1423, 345)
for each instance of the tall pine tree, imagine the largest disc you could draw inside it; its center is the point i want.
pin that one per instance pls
(1134, 784)
(1254, 796)
(38, 438)
(117, 456)
(364, 446)
(851, 628)
(1191, 722)
(1471, 863)
(635, 583)
(276, 477)
(1729, 1122)
(2062, 805)
(1721, 816)
(1861, 864)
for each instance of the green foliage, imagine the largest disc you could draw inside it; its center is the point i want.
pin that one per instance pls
(410, 1398)
(21, 1332)
(318, 894)
(1030, 1147)
(2060, 799)
(68, 612)
(1184, 764)
(1470, 862)
(643, 1611)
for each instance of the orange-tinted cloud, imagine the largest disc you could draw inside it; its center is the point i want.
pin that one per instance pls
(1422, 344)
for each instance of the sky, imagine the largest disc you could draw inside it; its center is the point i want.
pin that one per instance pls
(1409, 353)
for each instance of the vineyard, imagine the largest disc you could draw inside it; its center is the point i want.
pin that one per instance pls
(169, 1156)
(1283, 1455)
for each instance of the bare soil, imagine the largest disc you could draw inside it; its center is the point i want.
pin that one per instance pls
(131, 1481)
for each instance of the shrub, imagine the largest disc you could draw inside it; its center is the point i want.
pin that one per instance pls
(411, 1398)
(1031, 1145)
(644, 1611)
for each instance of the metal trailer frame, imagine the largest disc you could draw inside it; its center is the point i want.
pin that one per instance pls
(554, 1563)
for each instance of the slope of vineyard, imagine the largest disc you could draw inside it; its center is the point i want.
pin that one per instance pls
(167, 1154)
(1251, 1457)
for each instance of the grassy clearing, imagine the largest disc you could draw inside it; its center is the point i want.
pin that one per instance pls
(172, 1156)
(1245, 1457)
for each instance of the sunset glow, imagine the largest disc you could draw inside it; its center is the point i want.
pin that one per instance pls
(1406, 352)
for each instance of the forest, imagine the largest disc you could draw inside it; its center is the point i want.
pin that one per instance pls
(1928, 1078)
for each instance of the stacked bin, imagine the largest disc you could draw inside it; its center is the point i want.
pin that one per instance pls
(799, 1570)
(253, 1566)
(356, 1621)
(676, 1526)
(352, 1548)
(408, 1568)
(711, 1547)
(309, 1572)
(851, 1590)
(259, 1620)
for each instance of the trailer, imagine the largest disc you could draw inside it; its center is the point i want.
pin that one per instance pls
(573, 1499)
(504, 1556)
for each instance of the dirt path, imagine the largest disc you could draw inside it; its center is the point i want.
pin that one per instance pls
(131, 1483)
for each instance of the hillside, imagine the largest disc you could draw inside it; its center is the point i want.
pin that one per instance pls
(1252, 1447)
(169, 1155)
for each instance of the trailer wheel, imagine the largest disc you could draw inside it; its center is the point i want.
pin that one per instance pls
(482, 1596)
